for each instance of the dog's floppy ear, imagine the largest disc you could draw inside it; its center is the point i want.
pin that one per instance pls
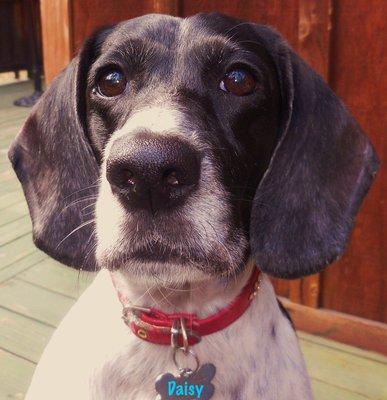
(56, 166)
(321, 169)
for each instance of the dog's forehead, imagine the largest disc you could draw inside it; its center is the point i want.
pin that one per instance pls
(172, 33)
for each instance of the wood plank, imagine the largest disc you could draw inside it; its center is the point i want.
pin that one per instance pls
(55, 17)
(9, 185)
(170, 7)
(325, 391)
(83, 23)
(11, 198)
(357, 283)
(34, 302)
(12, 118)
(346, 371)
(310, 290)
(21, 265)
(15, 230)
(58, 278)
(345, 328)
(281, 14)
(16, 207)
(8, 134)
(341, 347)
(8, 174)
(23, 336)
(4, 163)
(11, 92)
(16, 250)
(15, 377)
(314, 28)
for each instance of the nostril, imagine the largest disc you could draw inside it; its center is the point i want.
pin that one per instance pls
(121, 177)
(170, 178)
(128, 177)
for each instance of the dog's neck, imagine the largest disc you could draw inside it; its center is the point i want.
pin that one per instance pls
(201, 298)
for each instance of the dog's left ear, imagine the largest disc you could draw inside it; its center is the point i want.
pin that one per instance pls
(53, 160)
(321, 169)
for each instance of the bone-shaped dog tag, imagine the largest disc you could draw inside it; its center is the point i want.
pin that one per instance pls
(188, 385)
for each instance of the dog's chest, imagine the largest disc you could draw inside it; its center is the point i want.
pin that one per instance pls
(256, 358)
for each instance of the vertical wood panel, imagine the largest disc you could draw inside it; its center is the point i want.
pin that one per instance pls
(314, 31)
(55, 36)
(67, 23)
(89, 15)
(170, 7)
(357, 284)
(282, 14)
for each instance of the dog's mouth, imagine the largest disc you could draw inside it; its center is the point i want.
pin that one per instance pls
(185, 256)
(159, 252)
(178, 255)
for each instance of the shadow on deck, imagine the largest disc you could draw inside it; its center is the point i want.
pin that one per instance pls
(36, 292)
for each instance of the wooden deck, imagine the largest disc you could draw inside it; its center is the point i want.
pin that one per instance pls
(35, 293)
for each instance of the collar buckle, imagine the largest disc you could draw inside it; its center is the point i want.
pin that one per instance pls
(132, 311)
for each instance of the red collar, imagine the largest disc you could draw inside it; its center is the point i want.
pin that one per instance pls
(156, 327)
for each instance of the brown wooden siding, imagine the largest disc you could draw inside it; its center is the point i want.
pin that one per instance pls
(358, 283)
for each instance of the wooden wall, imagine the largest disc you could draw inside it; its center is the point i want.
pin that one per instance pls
(358, 285)
(346, 44)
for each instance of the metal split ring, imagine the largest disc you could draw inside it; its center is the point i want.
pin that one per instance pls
(189, 352)
(178, 327)
(184, 335)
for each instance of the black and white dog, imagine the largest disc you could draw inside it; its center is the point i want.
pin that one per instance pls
(207, 146)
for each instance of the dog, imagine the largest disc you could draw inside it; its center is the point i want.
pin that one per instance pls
(206, 147)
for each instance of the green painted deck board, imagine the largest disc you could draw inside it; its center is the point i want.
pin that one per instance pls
(36, 292)
(10, 198)
(321, 341)
(13, 212)
(51, 275)
(14, 230)
(15, 378)
(16, 250)
(23, 336)
(345, 370)
(21, 265)
(34, 302)
(325, 391)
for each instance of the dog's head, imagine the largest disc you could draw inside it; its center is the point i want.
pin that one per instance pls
(201, 142)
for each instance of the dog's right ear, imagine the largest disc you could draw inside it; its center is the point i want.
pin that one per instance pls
(54, 162)
(321, 169)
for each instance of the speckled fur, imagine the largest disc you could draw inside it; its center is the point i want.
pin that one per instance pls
(111, 363)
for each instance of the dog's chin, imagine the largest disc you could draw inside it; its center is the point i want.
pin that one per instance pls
(173, 272)
(170, 267)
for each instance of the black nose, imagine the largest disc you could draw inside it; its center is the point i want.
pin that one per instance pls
(150, 172)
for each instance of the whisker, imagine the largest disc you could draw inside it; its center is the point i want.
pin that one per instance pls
(90, 205)
(75, 230)
(77, 201)
(83, 189)
(166, 298)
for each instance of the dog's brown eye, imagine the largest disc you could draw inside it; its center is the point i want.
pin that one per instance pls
(111, 83)
(239, 82)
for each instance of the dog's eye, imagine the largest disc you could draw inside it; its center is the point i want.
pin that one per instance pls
(111, 83)
(239, 82)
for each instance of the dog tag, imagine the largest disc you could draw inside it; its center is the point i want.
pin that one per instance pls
(188, 385)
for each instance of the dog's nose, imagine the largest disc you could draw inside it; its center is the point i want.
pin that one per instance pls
(151, 172)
